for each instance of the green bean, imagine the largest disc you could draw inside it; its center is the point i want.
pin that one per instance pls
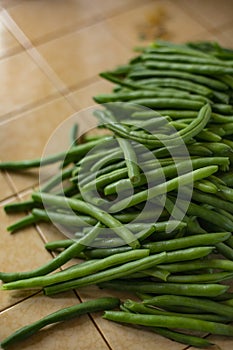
(201, 278)
(165, 187)
(22, 223)
(218, 118)
(112, 273)
(208, 81)
(64, 219)
(55, 245)
(93, 211)
(227, 79)
(182, 58)
(208, 215)
(222, 108)
(195, 289)
(186, 134)
(178, 84)
(169, 170)
(109, 168)
(212, 200)
(171, 48)
(61, 315)
(146, 214)
(221, 97)
(143, 308)
(176, 103)
(173, 113)
(188, 254)
(227, 178)
(130, 160)
(225, 250)
(21, 206)
(169, 322)
(208, 135)
(202, 304)
(181, 337)
(58, 261)
(74, 135)
(192, 68)
(187, 242)
(205, 186)
(218, 148)
(131, 95)
(100, 253)
(80, 270)
(108, 159)
(226, 265)
(111, 77)
(56, 179)
(73, 153)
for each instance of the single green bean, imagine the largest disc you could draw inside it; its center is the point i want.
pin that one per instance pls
(21, 206)
(169, 322)
(130, 160)
(61, 315)
(182, 337)
(187, 242)
(205, 69)
(26, 221)
(64, 219)
(201, 278)
(222, 264)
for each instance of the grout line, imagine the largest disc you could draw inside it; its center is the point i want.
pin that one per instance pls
(97, 18)
(10, 182)
(17, 113)
(100, 332)
(18, 302)
(209, 27)
(36, 56)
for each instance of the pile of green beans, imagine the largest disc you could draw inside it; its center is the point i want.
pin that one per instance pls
(170, 120)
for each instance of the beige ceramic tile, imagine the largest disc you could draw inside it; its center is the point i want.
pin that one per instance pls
(57, 17)
(77, 333)
(227, 36)
(21, 251)
(22, 84)
(82, 55)
(60, 17)
(5, 189)
(83, 97)
(8, 44)
(159, 19)
(211, 13)
(111, 7)
(25, 137)
(9, 3)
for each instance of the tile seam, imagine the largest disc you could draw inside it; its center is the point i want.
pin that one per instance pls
(5, 309)
(196, 17)
(37, 57)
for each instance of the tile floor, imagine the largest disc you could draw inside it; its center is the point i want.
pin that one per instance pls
(51, 52)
